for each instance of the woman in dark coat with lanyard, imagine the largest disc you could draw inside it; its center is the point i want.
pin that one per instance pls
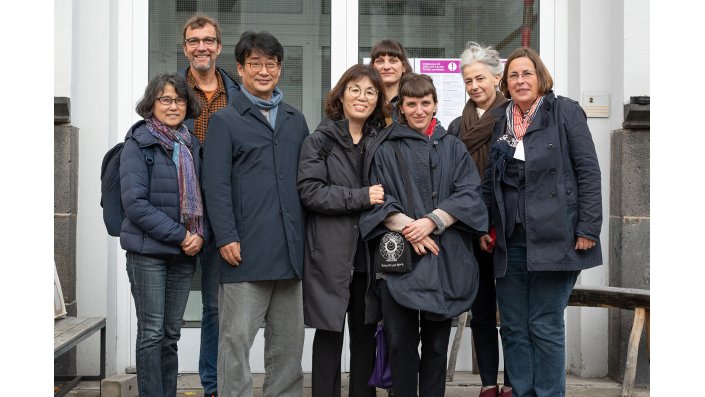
(445, 189)
(482, 70)
(335, 264)
(542, 186)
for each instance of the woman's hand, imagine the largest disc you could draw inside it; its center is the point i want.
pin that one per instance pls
(376, 194)
(424, 245)
(486, 243)
(193, 245)
(584, 243)
(417, 230)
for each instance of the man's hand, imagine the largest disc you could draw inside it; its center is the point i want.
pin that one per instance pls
(231, 253)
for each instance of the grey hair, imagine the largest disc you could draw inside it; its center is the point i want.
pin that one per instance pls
(474, 52)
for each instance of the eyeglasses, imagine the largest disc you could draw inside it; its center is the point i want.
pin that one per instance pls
(355, 91)
(257, 66)
(527, 74)
(167, 101)
(207, 41)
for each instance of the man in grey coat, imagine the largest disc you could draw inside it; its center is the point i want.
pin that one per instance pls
(250, 167)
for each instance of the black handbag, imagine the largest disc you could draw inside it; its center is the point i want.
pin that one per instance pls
(394, 252)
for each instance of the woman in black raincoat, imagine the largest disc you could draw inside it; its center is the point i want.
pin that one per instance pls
(335, 264)
(447, 211)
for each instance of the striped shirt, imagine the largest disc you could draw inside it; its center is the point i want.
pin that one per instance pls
(519, 121)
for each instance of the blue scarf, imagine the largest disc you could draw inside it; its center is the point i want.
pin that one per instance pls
(178, 143)
(272, 105)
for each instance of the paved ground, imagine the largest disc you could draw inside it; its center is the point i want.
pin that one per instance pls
(464, 384)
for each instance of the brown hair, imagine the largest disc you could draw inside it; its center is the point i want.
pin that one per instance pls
(390, 48)
(200, 20)
(334, 106)
(542, 75)
(413, 85)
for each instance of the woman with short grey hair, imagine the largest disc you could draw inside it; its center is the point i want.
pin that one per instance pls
(481, 69)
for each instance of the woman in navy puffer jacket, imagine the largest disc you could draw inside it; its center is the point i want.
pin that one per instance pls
(163, 227)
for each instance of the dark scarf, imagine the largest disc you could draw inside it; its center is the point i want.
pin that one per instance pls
(476, 132)
(178, 144)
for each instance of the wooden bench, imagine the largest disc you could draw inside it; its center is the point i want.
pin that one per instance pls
(593, 296)
(69, 332)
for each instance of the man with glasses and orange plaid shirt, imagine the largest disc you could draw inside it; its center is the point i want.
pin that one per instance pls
(213, 88)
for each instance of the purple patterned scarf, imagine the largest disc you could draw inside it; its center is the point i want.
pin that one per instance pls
(178, 144)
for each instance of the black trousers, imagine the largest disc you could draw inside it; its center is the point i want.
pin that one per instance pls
(484, 321)
(328, 345)
(404, 329)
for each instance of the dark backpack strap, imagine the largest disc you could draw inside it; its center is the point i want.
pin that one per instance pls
(406, 175)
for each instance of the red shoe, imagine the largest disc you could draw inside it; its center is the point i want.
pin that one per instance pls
(491, 392)
(505, 392)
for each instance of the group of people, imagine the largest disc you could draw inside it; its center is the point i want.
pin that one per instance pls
(502, 210)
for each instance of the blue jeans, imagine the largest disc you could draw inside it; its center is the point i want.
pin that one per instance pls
(531, 306)
(210, 278)
(160, 287)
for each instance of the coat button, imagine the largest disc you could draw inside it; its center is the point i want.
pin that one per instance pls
(552, 171)
(434, 194)
(276, 142)
(553, 195)
(434, 165)
(550, 146)
(281, 176)
(435, 142)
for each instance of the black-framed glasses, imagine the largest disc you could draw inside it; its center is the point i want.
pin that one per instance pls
(257, 66)
(207, 41)
(527, 74)
(355, 91)
(167, 101)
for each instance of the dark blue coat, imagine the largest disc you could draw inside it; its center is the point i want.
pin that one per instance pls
(445, 177)
(250, 189)
(562, 189)
(231, 88)
(151, 198)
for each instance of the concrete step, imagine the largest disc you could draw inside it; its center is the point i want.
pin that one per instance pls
(464, 384)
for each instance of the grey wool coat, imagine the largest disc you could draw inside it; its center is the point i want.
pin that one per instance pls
(331, 190)
(562, 188)
(444, 177)
(249, 183)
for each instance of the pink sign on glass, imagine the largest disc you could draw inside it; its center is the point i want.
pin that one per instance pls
(439, 66)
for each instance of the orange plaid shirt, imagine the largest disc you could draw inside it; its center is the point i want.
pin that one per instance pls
(218, 101)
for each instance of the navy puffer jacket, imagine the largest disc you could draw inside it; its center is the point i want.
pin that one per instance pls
(151, 224)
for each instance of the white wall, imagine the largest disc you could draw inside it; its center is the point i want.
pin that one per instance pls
(62, 47)
(101, 64)
(94, 58)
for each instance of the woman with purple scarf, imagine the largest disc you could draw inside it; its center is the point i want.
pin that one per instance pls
(163, 228)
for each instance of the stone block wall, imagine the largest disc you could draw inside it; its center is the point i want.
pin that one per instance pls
(65, 210)
(630, 225)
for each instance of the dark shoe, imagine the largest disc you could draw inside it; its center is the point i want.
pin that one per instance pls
(506, 392)
(491, 392)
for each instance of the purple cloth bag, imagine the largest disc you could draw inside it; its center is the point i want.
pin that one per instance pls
(382, 373)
